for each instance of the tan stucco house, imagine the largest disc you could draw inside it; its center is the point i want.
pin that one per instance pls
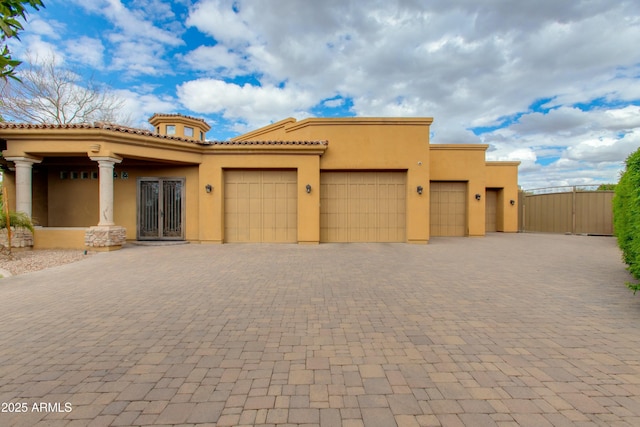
(309, 181)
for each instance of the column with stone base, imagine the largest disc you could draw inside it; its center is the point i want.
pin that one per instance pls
(22, 238)
(106, 235)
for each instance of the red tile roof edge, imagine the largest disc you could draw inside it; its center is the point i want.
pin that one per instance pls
(144, 132)
(179, 115)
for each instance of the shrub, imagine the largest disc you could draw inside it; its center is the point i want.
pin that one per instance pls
(626, 216)
(16, 219)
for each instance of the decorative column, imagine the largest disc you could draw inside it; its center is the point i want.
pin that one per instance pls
(106, 235)
(24, 200)
(24, 190)
(105, 165)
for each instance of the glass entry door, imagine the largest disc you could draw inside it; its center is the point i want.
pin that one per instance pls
(160, 209)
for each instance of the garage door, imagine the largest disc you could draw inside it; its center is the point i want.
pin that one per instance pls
(362, 206)
(448, 208)
(491, 210)
(260, 206)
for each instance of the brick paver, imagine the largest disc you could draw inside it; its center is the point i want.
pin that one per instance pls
(519, 329)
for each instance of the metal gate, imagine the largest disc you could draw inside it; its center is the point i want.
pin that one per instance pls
(160, 209)
(568, 209)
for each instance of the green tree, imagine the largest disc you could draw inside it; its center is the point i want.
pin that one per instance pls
(606, 187)
(626, 216)
(11, 13)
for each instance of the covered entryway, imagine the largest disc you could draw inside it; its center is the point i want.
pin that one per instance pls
(362, 206)
(260, 206)
(448, 208)
(491, 210)
(160, 210)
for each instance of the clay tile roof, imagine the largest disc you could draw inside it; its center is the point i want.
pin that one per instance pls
(178, 115)
(12, 125)
(126, 129)
(97, 125)
(145, 132)
(267, 142)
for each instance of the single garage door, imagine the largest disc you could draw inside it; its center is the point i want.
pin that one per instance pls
(260, 206)
(491, 210)
(448, 208)
(362, 206)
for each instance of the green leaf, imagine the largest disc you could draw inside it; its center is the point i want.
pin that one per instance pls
(11, 14)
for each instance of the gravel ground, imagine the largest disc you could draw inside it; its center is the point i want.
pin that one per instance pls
(20, 262)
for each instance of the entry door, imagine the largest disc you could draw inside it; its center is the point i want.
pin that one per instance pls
(491, 210)
(160, 209)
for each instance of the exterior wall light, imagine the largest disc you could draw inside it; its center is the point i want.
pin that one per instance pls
(419, 189)
(512, 202)
(308, 188)
(478, 196)
(208, 188)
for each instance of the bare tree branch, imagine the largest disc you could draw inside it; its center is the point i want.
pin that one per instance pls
(48, 93)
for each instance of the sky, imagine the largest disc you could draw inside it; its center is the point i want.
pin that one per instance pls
(554, 84)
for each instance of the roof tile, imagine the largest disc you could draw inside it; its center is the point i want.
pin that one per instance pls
(144, 132)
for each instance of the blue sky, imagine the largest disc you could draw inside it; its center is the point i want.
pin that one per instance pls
(551, 83)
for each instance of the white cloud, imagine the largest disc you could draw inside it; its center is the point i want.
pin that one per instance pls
(218, 19)
(34, 48)
(134, 22)
(140, 106)
(250, 104)
(138, 58)
(51, 28)
(86, 50)
(332, 103)
(141, 33)
(525, 155)
(564, 120)
(572, 143)
(215, 60)
(161, 8)
(621, 118)
(604, 149)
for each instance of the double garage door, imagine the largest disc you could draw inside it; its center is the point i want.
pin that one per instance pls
(261, 206)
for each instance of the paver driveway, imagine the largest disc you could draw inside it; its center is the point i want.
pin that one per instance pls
(503, 330)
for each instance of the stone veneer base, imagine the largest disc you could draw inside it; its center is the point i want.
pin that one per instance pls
(20, 238)
(105, 237)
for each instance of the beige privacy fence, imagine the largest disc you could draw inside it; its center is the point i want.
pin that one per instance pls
(569, 209)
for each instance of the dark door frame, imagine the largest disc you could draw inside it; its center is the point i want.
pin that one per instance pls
(170, 217)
